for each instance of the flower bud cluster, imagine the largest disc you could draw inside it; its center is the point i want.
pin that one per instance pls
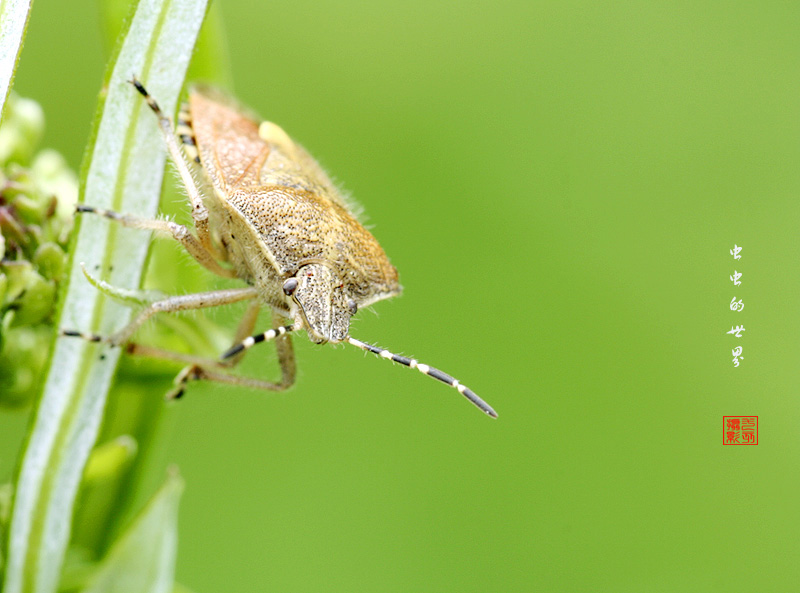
(38, 192)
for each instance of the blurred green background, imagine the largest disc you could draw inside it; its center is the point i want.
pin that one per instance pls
(559, 184)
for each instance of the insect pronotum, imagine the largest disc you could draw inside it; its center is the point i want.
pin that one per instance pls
(266, 213)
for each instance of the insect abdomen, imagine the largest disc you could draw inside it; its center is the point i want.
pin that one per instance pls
(186, 133)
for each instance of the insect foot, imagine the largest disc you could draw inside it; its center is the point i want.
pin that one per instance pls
(71, 333)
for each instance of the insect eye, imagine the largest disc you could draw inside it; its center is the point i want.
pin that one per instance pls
(353, 306)
(290, 286)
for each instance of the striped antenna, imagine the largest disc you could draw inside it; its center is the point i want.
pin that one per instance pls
(427, 370)
(253, 340)
(383, 353)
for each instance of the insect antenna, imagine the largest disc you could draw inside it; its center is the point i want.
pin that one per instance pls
(427, 370)
(253, 340)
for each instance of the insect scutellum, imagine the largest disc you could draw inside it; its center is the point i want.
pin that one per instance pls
(268, 215)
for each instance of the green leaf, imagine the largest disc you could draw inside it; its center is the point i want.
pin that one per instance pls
(13, 22)
(143, 559)
(6, 491)
(123, 171)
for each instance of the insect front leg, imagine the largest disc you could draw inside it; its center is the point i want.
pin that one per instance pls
(199, 300)
(286, 359)
(245, 328)
(215, 370)
(204, 373)
(178, 157)
(283, 345)
(178, 232)
(200, 368)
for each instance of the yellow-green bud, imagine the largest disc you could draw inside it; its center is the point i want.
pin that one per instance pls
(36, 303)
(36, 216)
(21, 131)
(49, 260)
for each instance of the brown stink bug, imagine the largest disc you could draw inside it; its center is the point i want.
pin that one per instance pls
(266, 213)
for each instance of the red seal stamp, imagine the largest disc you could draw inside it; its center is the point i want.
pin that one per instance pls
(740, 430)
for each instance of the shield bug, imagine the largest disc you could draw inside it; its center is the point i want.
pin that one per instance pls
(266, 213)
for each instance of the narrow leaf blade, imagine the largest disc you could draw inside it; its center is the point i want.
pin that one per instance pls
(124, 172)
(13, 22)
(143, 559)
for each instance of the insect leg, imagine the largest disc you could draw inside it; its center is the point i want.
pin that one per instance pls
(285, 350)
(199, 211)
(244, 329)
(178, 231)
(199, 300)
(283, 345)
(202, 369)
(203, 373)
(427, 370)
(199, 367)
